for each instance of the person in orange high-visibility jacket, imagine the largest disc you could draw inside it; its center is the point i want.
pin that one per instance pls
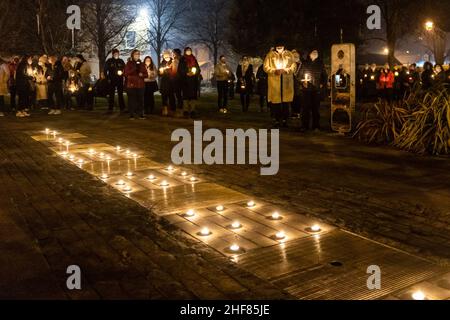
(386, 84)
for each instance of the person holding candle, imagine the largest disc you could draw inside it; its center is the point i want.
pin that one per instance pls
(151, 86)
(386, 84)
(222, 74)
(262, 87)
(114, 69)
(280, 67)
(314, 78)
(177, 81)
(12, 87)
(245, 80)
(296, 104)
(168, 77)
(24, 81)
(85, 97)
(135, 72)
(55, 75)
(189, 72)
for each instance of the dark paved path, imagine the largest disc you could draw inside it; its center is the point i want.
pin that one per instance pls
(390, 196)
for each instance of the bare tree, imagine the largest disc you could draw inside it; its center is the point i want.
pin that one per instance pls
(164, 19)
(105, 24)
(210, 24)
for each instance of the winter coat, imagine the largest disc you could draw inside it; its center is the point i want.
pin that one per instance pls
(84, 70)
(23, 79)
(386, 80)
(261, 84)
(41, 86)
(55, 73)
(12, 74)
(222, 72)
(315, 72)
(276, 82)
(168, 77)
(298, 84)
(114, 69)
(190, 83)
(245, 82)
(4, 78)
(135, 73)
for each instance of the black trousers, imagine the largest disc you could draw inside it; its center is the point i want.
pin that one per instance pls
(296, 104)
(136, 102)
(262, 102)
(222, 92)
(149, 98)
(168, 100)
(245, 101)
(55, 94)
(116, 84)
(24, 99)
(311, 106)
(13, 93)
(2, 104)
(280, 111)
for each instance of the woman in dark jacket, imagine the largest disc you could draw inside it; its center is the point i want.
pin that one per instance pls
(24, 80)
(151, 85)
(427, 76)
(245, 82)
(189, 73)
(262, 87)
(166, 84)
(135, 73)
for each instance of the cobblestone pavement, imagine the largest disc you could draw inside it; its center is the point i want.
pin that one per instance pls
(52, 213)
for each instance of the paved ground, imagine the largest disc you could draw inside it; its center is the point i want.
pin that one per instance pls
(54, 212)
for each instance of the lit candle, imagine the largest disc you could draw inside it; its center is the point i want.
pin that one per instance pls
(236, 225)
(220, 208)
(316, 228)
(80, 161)
(104, 176)
(64, 154)
(47, 131)
(276, 216)
(193, 179)
(71, 157)
(205, 232)
(91, 151)
(190, 213)
(418, 295)
(194, 70)
(128, 152)
(235, 248)
(102, 155)
(108, 158)
(164, 184)
(184, 174)
(280, 235)
(120, 73)
(130, 174)
(251, 204)
(170, 168)
(151, 177)
(60, 140)
(307, 78)
(118, 149)
(127, 189)
(135, 155)
(120, 183)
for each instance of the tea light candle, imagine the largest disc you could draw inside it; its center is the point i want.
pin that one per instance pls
(71, 157)
(60, 140)
(236, 225)
(164, 184)
(184, 174)
(251, 204)
(130, 174)
(135, 155)
(64, 154)
(118, 149)
(102, 155)
(120, 183)
(316, 228)
(235, 248)
(47, 131)
(80, 161)
(276, 216)
(205, 232)
(190, 213)
(91, 151)
(220, 208)
(170, 168)
(127, 189)
(151, 177)
(193, 179)
(418, 295)
(280, 235)
(108, 158)
(128, 152)
(104, 176)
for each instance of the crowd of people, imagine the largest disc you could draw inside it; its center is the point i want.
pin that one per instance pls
(52, 83)
(394, 84)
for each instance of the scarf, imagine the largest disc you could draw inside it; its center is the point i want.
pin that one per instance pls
(191, 62)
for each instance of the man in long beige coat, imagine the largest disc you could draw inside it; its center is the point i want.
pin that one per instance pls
(280, 67)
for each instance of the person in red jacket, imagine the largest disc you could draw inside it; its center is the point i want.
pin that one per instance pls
(386, 84)
(135, 74)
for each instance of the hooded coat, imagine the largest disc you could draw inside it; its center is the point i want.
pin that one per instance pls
(280, 87)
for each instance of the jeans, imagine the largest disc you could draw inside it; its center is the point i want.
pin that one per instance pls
(222, 91)
(136, 102)
(245, 101)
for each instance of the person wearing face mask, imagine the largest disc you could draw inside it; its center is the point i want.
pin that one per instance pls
(386, 83)
(151, 86)
(244, 85)
(189, 72)
(135, 73)
(314, 78)
(113, 70)
(222, 74)
(168, 77)
(296, 104)
(262, 87)
(280, 67)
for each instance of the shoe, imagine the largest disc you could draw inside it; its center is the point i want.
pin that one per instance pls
(225, 111)
(20, 114)
(26, 114)
(57, 112)
(221, 110)
(26, 110)
(132, 118)
(52, 112)
(142, 118)
(2, 114)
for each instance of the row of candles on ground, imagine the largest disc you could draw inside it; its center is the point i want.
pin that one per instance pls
(236, 225)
